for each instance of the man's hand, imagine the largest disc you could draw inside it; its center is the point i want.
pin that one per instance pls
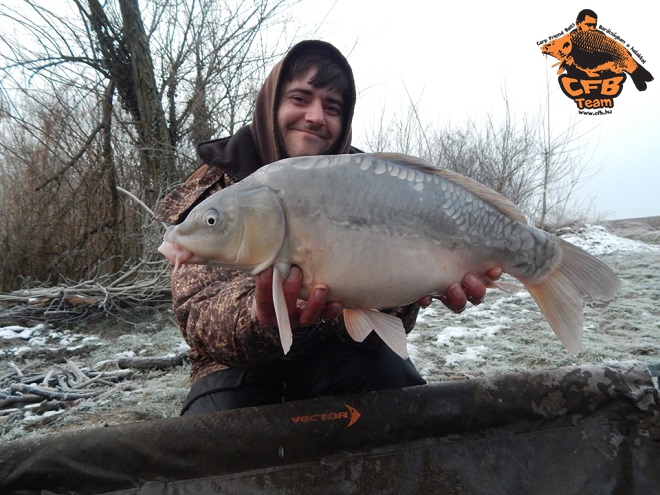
(301, 313)
(470, 289)
(305, 313)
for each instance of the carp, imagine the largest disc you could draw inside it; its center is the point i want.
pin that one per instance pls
(594, 53)
(381, 231)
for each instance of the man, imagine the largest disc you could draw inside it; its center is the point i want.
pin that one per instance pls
(305, 107)
(586, 20)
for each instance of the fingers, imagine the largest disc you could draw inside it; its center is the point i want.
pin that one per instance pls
(310, 313)
(331, 311)
(291, 286)
(262, 305)
(425, 301)
(454, 298)
(301, 313)
(470, 290)
(494, 273)
(474, 289)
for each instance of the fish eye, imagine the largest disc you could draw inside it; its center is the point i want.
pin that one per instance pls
(212, 217)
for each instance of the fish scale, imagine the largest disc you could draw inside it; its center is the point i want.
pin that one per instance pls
(380, 231)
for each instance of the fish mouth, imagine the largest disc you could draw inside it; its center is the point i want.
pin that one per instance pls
(176, 254)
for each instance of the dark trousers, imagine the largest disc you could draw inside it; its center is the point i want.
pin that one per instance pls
(332, 367)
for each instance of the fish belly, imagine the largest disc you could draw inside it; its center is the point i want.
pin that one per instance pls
(370, 270)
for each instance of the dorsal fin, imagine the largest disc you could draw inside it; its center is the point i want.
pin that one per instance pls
(503, 204)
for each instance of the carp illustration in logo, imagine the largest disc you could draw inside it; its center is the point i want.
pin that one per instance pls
(595, 64)
(595, 54)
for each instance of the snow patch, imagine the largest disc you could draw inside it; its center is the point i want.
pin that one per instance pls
(470, 354)
(449, 334)
(597, 240)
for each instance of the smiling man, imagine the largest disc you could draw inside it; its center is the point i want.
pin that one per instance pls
(305, 107)
(309, 119)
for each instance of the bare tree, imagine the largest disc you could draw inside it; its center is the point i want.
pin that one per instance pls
(106, 95)
(519, 159)
(564, 168)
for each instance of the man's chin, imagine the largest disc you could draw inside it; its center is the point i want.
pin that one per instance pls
(305, 150)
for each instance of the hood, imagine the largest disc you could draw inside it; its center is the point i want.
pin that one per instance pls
(251, 146)
(264, 125)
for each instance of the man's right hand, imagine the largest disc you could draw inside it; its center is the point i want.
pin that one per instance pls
(471, 289)
(301, 313)
(305, 313)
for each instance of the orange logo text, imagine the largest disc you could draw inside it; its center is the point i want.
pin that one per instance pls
(351, 416)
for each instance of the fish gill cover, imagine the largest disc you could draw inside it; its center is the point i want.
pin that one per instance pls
(593, 63)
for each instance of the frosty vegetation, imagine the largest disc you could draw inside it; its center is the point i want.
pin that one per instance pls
(506, 333)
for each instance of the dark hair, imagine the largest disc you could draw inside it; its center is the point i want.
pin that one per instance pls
(329, 73)
(584, 13)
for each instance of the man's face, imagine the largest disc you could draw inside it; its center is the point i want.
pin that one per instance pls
(588, 24)
(309, 119)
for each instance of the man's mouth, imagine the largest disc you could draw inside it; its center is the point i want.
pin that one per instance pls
(317, 134)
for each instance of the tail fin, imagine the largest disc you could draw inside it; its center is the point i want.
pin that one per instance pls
(559, 294)
(640, 77)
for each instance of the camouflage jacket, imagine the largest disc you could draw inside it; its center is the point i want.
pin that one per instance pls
(213, 305)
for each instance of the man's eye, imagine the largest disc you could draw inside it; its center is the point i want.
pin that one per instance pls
(333, 110)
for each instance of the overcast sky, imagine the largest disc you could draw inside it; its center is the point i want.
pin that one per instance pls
(456, 58)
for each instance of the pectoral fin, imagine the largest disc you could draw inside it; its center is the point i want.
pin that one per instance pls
(281, 311)
(360, 322)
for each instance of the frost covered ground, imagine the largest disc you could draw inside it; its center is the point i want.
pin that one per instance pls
(508, 333)
(505, 333)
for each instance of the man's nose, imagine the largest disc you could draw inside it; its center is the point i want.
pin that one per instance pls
(315, 113)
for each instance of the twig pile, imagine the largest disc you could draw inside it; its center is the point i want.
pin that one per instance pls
(49, 394)
(144, 284)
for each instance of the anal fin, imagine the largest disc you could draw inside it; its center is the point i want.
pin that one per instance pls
(361, 321)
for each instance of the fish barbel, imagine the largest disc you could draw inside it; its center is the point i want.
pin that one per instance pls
(381, 231)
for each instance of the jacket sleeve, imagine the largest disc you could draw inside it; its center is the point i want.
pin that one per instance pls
(213, 309)
(213, 305)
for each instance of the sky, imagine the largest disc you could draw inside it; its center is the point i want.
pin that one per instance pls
(457, 59)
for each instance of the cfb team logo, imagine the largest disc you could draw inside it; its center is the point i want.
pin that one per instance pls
(593, 65)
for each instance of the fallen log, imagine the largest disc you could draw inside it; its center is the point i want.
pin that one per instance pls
(158, 363)
(53, 394)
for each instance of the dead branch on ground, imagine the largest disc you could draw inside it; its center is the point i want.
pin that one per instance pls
(143, 285)
(64, 385)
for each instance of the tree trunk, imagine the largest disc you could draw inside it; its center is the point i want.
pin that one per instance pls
(157, 151)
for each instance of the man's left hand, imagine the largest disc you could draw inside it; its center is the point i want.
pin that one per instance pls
(470, 289)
